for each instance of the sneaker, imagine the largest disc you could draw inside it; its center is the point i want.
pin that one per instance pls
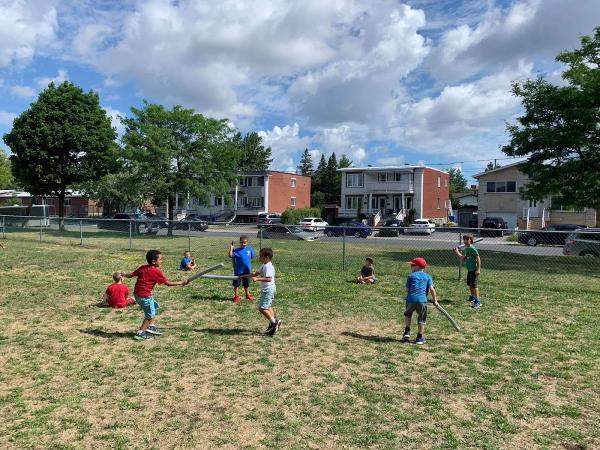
(406, 336)
(476, 304)
(420, 340)
(236, 299)
(249, 297)
(275, 327)
(153, 330)
(142, 336)
(270, 327)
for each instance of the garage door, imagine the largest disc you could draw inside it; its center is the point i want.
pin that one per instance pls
(509, 218)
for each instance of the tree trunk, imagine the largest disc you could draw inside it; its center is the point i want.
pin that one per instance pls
(170, 215)
(61, 210)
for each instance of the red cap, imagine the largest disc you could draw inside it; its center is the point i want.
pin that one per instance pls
(418, 262)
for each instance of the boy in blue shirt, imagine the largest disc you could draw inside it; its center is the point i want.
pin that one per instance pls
(242, 265)
(187, 262)
(418, 285)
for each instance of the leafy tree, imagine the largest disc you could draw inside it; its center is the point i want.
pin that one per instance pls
(306, 164)
(117, 191)
(63, 139)
(179, 150)
(253, 154)
(458, 182)
(6, 177)
(559, 133)
(491, 166)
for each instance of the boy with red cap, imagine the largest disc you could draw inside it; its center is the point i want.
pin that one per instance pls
(418, 285)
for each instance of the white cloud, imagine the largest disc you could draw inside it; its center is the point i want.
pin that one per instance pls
(25, 92)
(115, 118)
(90, 38)
(6, 118)
(24, 27)
(286, 143)
(61, 76)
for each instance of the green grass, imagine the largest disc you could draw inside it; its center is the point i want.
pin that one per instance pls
(523, 373)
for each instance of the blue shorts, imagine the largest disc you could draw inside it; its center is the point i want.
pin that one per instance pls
(243, 281)
(149, 305)
(266, 298)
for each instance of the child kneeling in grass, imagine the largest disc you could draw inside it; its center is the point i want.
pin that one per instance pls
(117, 294)
(149, 276)
(266, 275)
(418, 285)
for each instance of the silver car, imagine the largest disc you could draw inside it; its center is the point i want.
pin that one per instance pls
(584, 242)
(293, 232)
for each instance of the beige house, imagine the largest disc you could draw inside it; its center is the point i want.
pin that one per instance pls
(499, 197)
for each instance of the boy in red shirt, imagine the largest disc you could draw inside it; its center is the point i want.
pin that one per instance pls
(117, 294)
(147, 277)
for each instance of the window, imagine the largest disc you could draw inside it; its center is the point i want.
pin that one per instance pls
(293, 201)
(439, 183)
(293, 182)
(438, 203)
(353, 201)
(445, 182)
(501, 186)
(255, 202)
(218, 201)
(67, 201)
(249, 181)
(382, 177)
(354, 180)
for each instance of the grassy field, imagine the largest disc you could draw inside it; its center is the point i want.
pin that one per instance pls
(523, 373)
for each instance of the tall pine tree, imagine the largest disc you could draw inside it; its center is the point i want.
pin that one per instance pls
(306, 164)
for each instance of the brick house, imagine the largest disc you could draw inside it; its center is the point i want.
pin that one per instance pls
(380, 192)
(268, 191)
(76, 205)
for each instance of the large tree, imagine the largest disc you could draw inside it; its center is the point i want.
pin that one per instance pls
(253, 154)
(6, 177)
(65, 138)
(458, 182)
(306, 164)
(317, 185)
(179, 150)
(559, 133)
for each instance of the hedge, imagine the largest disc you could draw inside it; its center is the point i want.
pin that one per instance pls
(292, 215)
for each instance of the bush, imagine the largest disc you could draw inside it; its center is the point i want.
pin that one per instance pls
(292, 215)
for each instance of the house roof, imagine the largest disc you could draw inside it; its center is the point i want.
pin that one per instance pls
(380, 168)
(268, 172)
(464, 194)
(508, 166)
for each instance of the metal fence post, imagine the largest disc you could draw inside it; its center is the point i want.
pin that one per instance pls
(260, 230)
(343, 248)
(80, 232)
(3, 235)
(130, 224)
(41, 226)
(459, 260)
(189, 236)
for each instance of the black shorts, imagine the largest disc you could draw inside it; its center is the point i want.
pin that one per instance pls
(420, 308)
(472, 279)
(243, 281)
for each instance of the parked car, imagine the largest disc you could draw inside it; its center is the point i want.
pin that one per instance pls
(495, 226)
(265, 219)
(121, 222)
(313, 224)
(584, 242)
(161, 221)
(191, 222)
(420, 226)
(550, 235)
(351, 228)
(391, 227)
(286, 232)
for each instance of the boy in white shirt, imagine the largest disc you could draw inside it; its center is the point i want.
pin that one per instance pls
(266, 275)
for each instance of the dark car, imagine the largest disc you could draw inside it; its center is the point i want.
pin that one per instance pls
(286, 232)
(161, 221)
(356, 229)
(137, 223)
(584, 242)
(265, 219)
(391, 227)
(550, 235)
(494, 226)
(191, 222)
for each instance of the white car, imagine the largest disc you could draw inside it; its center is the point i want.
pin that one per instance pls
(420, 226)
(313, 224)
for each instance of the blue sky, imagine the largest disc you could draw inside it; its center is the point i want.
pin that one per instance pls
(384, 82)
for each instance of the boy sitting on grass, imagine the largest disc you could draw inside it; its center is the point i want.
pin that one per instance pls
(187, 262)
(367, 273)
(149, 276)
(418, 285)
(117, 294)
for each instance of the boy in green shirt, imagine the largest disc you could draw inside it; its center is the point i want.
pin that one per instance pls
(473, 262)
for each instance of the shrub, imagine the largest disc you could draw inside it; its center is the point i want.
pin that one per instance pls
(292, 215)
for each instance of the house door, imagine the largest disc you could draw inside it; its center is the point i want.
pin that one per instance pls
(535, 209)
(397, 203)
(409, 203)
(382, 203)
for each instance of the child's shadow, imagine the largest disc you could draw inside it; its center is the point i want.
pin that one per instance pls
(101, 305)
(372, 338)
(108, 334)
(226, 331)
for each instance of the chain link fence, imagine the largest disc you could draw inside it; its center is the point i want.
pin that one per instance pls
(342, 248)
